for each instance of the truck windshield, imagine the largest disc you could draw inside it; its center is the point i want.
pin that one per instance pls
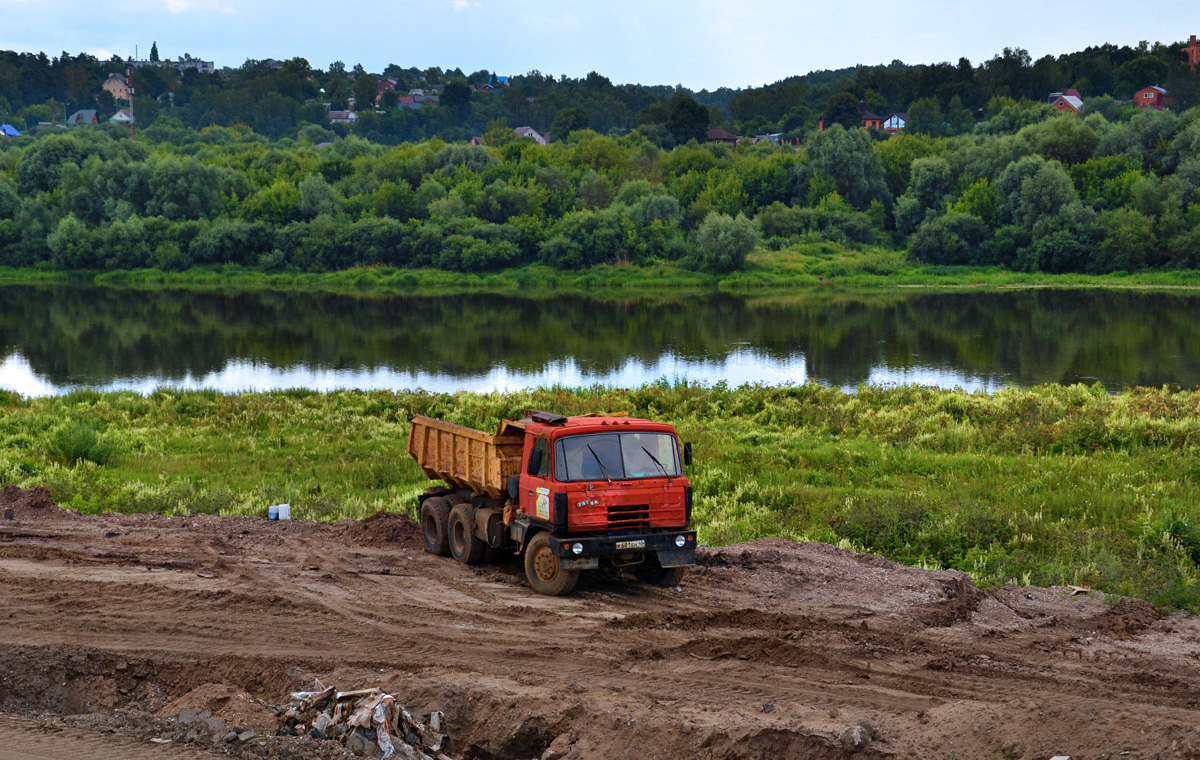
(616, 456)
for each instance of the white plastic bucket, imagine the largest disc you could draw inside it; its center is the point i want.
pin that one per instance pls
(285, 511)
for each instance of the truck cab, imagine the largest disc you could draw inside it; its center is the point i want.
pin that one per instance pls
(605, 491)
(592, 492)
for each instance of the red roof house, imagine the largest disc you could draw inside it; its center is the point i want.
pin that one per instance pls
(1068, 100)
(1151, 97)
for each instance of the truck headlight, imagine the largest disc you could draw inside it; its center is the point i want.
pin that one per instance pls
(680, 541)
(577, 548)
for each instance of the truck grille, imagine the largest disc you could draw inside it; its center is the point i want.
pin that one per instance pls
(628, 515)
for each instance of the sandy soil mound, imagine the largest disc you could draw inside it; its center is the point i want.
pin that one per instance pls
(194, 630)
(30, 504)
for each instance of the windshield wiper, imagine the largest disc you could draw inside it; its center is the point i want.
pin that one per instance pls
(655, 459)
(603, 469)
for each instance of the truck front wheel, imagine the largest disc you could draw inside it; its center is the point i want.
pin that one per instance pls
(465, 546)
(543, 570)
(650, 571)
(435, 518)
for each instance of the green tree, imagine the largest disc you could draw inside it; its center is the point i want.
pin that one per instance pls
(848, 156)
(456, 96)
(568, 120)
(932, 181)
(154, 52)
(723, 242)
(1123, 239)
(1065, 139)
(843, 109)
(687, 119)
(980, 200)
(925, 118)
(953, 239)
(959, 117)
(365, 87)
(316, 197)
(1032, 189)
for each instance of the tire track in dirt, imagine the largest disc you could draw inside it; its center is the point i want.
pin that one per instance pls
(25, 739)
(825, 638)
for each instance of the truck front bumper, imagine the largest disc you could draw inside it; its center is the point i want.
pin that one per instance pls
(670, 553)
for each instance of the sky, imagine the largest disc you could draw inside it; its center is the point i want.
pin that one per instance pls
(701, 44)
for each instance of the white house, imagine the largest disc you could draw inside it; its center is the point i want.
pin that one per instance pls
(538, 137)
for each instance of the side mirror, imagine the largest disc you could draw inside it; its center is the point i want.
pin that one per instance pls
(535, 462)
(687, 454)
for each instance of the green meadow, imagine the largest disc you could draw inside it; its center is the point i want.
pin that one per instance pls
(1049, 485)
(819, 265)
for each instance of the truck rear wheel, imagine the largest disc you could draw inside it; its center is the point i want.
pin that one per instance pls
(543, 570)
(435, 517)
(465, 546)
(651, 572)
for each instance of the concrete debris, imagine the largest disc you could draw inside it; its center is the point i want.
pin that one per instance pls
(368, 722)
(857, 737)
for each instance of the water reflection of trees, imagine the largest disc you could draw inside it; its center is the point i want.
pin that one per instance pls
(77, 335)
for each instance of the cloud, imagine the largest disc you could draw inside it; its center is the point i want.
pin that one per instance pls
(461, 5)
(102, 54)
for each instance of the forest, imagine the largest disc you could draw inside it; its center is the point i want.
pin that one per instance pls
(240, 167)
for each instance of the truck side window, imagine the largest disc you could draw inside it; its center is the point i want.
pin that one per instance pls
(560, 463)
(541, 443)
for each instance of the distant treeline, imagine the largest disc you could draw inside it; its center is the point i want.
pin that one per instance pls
(1029, 189)
(279, 99)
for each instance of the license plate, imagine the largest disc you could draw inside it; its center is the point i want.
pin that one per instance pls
(631, 544)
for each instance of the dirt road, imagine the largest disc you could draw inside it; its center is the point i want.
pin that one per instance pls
(111, 625)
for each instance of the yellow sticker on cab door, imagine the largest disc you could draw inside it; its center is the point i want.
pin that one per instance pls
(543, 503)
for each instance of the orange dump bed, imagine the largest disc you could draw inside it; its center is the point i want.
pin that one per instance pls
(467, 458)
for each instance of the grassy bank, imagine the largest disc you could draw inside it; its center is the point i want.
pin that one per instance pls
(812, 266)
(1045, 486)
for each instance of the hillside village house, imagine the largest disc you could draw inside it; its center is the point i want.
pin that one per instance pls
(384, 86)
(894, 123)
(122, 117)
(187, 63)
(1151, 97)
(87, 116)
(117, 86)
(342, 117)
(869, 120)
(538, 137)
(722, 136)
(1067, 100)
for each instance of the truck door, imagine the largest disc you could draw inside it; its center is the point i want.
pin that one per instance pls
(537, 498)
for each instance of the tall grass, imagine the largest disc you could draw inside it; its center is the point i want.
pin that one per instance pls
(1050, 485)
(802, 267)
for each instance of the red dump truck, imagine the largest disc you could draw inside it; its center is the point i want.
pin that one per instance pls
(569, 493)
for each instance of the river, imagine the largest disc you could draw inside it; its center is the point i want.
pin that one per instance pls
(59, 338)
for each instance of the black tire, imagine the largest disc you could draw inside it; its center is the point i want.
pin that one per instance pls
(542, 569)
(435, 523)
(465, 546)
(656, 575)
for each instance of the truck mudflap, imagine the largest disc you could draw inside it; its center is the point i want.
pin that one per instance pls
(670, 553)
